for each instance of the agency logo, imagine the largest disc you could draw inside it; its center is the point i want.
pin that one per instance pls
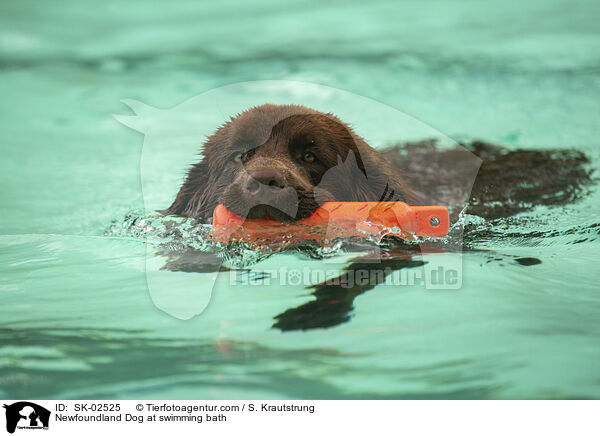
(26, 415)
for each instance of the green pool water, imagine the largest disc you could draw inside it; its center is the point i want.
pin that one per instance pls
(77, 319)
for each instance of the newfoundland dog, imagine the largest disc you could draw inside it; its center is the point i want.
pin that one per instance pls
(284, 162)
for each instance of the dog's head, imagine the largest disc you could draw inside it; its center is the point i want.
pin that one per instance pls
(284, 162)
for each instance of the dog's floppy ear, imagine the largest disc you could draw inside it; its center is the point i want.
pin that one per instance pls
(390, 187)
(348, 180)
(382, 180)
(198, 195)
(194, 198)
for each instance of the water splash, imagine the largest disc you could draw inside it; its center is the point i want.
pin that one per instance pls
(174, 234)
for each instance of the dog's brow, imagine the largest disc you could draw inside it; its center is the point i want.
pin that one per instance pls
(244, 144)
(250, 133)
(306, 137)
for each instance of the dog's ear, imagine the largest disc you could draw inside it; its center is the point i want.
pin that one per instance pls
(378, 187)
(348, 180)
(194, 199)
(383, 180)
(388, 187)
(198, 195)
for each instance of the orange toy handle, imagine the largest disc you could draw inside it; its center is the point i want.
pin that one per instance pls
(335, 219)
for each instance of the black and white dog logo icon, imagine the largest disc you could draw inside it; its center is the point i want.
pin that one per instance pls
(26, 415)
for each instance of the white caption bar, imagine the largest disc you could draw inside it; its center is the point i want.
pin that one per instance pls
(151, 417)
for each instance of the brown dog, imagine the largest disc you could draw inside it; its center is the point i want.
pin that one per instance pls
(284, 162)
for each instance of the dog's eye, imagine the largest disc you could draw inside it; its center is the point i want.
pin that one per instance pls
(238, 157)
(309, 157)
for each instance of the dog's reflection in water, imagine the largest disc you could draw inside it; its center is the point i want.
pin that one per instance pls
(334, 298)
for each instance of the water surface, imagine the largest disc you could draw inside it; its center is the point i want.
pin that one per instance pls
(76, 319)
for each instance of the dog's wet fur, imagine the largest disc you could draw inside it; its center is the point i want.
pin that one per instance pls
(271, 161)
(256, 165)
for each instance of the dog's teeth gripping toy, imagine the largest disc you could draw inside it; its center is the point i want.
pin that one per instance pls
(335, 220)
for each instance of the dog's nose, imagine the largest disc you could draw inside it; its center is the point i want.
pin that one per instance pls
(267, 177)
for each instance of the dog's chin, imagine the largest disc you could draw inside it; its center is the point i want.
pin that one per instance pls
(259, 211)
(304, 208)
(268, 211)
(294, 205)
